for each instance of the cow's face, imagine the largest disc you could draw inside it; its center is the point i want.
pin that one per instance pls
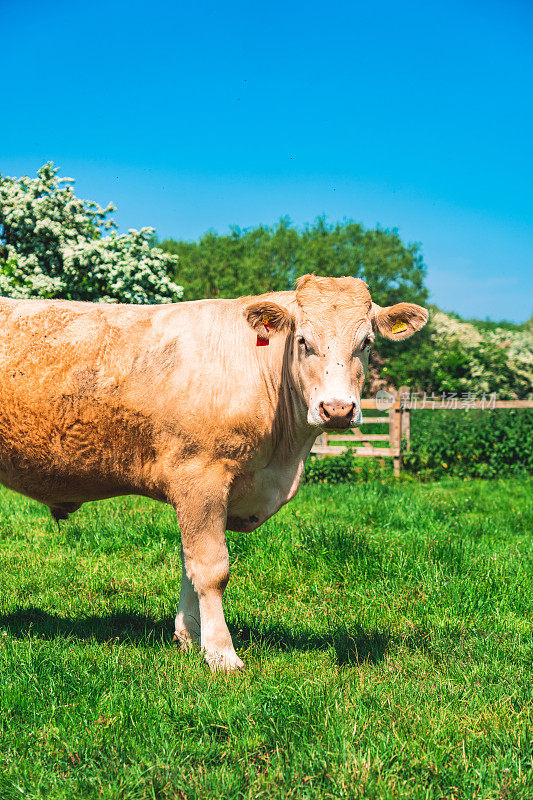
(332, 328)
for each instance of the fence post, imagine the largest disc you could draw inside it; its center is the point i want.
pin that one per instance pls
(322, 439)
(406, 418)
(395, 432)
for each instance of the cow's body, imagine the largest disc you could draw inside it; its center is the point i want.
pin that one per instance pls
(175, 402)
(103, 400)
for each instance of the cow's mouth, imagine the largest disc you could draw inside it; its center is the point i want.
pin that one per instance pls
(242, 524)
(336, 425)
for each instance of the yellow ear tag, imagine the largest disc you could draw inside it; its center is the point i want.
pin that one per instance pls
(266, 319)
(398, 327)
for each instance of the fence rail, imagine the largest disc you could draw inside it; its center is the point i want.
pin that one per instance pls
(397, 418)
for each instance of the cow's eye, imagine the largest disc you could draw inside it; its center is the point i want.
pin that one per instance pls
(303, 343)
(367, 344)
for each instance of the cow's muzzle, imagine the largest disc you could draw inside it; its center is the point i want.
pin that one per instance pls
(336, 414)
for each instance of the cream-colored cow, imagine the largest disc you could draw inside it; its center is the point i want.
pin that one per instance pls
(181, 403)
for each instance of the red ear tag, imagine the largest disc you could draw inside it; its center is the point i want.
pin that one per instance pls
(260, 341)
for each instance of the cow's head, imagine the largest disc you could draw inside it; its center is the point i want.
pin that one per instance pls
(331, 329)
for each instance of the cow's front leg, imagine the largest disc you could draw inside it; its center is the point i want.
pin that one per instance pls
(206, 567)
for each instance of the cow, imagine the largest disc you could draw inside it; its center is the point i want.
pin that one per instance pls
(211, 406)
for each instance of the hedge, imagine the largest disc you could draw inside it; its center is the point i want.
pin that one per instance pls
(466, 443)
(470, 443)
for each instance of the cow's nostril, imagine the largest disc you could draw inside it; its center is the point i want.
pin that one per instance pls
(324, 413)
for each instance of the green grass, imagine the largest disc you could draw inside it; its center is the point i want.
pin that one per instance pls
(386, 628)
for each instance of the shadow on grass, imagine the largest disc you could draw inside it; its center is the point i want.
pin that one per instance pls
(141, 630)
(351, 647)
(125, 627)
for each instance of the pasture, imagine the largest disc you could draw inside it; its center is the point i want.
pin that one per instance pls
(386, 629)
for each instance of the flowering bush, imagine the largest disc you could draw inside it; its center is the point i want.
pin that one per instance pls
(52, 244)
(454, 355)
(498, 360)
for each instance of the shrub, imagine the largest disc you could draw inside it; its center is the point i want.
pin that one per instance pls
(52, 245)
(345, 468)
(470, 443)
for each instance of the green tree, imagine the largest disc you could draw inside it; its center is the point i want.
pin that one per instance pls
(262, 259)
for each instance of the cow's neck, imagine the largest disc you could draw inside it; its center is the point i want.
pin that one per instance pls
(291, 433)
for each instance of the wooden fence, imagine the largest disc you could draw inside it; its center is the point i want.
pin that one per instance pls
(396, 424)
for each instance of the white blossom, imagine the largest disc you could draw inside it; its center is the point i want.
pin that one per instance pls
(52, 245)
(492, 355)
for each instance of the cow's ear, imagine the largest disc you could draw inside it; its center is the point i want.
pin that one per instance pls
(268, 318)
(399, 321)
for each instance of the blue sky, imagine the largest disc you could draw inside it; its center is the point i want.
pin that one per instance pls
(190, 116)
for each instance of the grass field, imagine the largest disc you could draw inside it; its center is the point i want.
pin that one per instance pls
(386, 628)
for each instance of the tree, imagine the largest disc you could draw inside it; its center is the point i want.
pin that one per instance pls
(52, 244)
(263, 259)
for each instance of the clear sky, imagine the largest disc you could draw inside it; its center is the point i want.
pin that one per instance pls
(198, 115)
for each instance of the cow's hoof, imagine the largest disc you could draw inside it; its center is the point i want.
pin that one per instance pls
(185, 643)
(224, 661)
